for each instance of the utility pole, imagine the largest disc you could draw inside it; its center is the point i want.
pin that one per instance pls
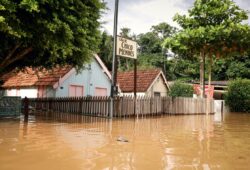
(135, 86)
(114, 61)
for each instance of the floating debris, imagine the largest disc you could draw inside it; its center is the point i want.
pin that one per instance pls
(122, 139)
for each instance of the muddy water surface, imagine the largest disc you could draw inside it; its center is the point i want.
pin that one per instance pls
(167, 142)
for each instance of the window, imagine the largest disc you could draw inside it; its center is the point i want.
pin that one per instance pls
(41, 91)
(157, 94)
(100, 91)
(76, 91)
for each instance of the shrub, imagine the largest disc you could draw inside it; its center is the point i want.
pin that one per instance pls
(238, 95)
(179, 89)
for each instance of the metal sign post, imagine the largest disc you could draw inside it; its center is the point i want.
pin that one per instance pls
(128, 48)
(114, 61)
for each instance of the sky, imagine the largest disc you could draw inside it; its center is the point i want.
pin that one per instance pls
(140, 15)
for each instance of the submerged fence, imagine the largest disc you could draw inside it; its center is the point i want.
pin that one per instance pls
(124, 106)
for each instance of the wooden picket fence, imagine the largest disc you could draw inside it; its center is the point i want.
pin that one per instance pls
(124, 106)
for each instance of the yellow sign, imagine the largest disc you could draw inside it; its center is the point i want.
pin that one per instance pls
(126, 48)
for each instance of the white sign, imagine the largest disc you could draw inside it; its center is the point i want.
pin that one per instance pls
(126, 48)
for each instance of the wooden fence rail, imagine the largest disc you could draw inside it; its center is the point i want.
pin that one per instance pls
(124, 106)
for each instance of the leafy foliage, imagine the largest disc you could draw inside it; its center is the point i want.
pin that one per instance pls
(213, 27)
(150, 47)
(147, 60)
(46, 33)
(106, 49)
(163, 30)
(151, 52)
(184, 65)
(231, 68)
(149, 43)
(179, 89)
(238, 95)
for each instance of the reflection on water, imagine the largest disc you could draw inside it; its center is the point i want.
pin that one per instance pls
(62, 141)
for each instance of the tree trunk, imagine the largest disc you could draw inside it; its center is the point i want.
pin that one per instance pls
(202, 74)
(209, 80)
(210, 70)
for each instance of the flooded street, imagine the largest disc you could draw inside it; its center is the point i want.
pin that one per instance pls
(166, 142)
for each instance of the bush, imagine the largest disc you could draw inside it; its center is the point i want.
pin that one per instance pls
(238, 95)
(179, 89)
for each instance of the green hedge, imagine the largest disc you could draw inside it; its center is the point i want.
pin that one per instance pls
(238, 95)
(179, 89)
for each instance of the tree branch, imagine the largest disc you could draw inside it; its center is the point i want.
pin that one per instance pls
(10, 54)
(19, 56)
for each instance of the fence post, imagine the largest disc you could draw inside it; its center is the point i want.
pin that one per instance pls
(26, 108)
(222, 107)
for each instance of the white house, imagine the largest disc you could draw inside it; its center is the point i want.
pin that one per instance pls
(93, 80)
(151, 82)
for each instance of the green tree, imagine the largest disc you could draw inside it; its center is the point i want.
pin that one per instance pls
(183, 69)
(163, 30)
(179, 89)
(238, 70)
(151, 52)
(149, 43)
(149, 60)
(46, 33)
(106, 49)
(212, 28)
(238, 95)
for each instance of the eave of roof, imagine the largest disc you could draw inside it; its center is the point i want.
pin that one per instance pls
(33, 77)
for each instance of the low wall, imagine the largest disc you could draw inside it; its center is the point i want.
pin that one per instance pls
(10, 106)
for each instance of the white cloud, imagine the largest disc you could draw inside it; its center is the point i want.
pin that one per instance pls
(140, 15)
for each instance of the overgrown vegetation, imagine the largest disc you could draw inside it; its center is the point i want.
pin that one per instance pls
(179, 89)
(47, 33)
(238, 95)
(182, 66)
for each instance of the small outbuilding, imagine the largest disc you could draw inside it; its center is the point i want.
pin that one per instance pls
(150, 82)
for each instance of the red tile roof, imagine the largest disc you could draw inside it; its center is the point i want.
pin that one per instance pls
(145, 78)
(34, 77)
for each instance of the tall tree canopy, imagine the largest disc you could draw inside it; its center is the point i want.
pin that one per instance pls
(47, 32)
(163, 30)
(212, 28)
(151, 42)
(106, 49)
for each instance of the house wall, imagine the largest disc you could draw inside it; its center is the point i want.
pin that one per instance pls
(31, 92)
(44, 91)
(28, 92)
(50, 92)
(159, 87)
(90, 78)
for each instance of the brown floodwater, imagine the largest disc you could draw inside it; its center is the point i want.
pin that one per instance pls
(166, 142)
